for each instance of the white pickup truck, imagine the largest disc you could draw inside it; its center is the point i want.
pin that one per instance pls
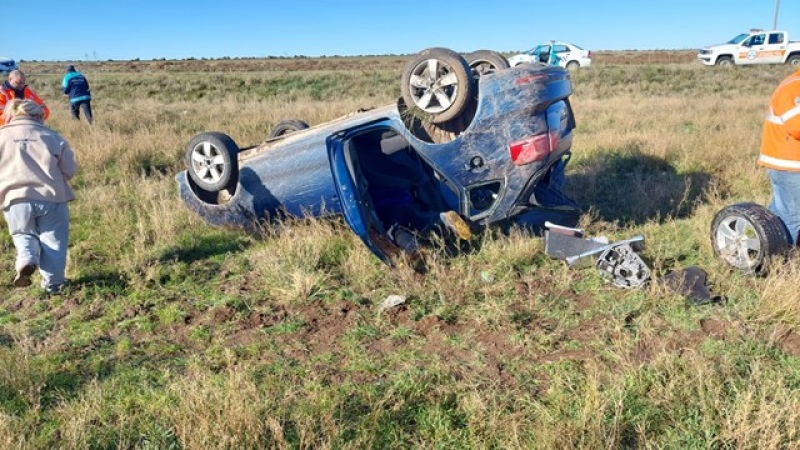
(755, 47)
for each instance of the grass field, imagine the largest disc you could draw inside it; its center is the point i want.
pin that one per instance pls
(177, 335)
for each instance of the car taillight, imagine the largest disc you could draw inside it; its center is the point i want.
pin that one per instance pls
(535, 148)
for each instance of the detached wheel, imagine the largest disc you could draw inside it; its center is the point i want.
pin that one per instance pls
(285, 127)
(746, 235)
(484, 62)
(212, 161)
(439, 83)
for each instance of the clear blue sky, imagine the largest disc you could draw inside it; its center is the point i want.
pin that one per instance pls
(150, 29)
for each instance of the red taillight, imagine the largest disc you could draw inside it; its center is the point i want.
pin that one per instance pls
(532, 149)
(528, 79)
(589, 54)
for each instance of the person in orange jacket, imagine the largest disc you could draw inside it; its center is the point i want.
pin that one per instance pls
(15, 87)
(780, 152)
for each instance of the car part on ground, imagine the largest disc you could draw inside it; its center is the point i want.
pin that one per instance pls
(623, 266)
(485, 62)
(747, 235)
(617, 261)
(212, 161)
(692, 284)
(503, 163)
(438, 83)
(285, 127)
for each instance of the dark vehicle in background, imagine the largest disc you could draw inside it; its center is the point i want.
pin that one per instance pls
(490, 143)
(7, 65)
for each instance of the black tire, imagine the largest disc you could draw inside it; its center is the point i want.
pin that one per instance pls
(724, 61)
(793, 60)
(747, 235)
(285, 127)
(212, 161)
(442, 95)
(484, 62)
(572, 65)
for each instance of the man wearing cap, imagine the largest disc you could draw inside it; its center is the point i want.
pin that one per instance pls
(780, 152)
(15, 87)
(76, 86)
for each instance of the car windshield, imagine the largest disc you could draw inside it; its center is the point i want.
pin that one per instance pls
(738, 39)
(577, 47)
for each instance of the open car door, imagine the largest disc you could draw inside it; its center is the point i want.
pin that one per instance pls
(353, 193)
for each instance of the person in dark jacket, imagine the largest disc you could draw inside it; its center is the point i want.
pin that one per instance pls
(76, 86)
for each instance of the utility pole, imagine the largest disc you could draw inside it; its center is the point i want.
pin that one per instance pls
(775, 22)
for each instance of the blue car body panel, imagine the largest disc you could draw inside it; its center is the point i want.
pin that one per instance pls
(306, 173)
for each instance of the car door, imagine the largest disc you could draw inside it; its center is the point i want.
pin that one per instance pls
(352, 190)
(542, 54)
(751, 50)
(774, 48)
(564, 54)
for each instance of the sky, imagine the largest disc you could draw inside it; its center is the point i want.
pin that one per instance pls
(149, 29)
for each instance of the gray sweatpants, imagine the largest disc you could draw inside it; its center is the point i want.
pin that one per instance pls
(40, 231)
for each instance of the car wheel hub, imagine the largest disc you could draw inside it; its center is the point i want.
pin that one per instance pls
(207, 162)
(738, 243)
(434, 86)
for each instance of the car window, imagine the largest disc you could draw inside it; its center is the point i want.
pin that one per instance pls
(561, 49)
(738, 38)
(755, 40)
(776, 38)
(577, 47)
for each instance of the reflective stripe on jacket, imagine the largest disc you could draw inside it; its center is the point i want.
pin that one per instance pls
(780, 142)
(7, 94)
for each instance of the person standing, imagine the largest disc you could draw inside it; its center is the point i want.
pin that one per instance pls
(76, 86)
(553, 59)
(36, 164)
(15, 87)
(780, 153)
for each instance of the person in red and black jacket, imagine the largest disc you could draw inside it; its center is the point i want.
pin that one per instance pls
(15, 87)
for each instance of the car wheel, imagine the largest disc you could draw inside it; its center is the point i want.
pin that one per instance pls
(285, 127)
(572, 65)
(793, 60)
(746, 235)
(724, 61)
(212, 161)
(439, 83)
(484, 62)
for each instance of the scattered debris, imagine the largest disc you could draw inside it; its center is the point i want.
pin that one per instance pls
(392, 301)
(617, 261)
(691, 283)
(623, 266)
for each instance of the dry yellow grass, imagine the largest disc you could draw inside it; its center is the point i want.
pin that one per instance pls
(497, 348)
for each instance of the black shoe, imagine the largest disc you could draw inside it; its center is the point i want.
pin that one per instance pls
(23, 277)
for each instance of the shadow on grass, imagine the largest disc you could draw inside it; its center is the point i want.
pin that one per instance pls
(105, 281)
(627, 186)
(204, 247)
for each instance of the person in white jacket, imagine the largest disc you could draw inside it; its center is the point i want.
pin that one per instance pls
(36, 164)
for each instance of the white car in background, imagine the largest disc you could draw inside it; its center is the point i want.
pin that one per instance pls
(570, 56)
(7, 65)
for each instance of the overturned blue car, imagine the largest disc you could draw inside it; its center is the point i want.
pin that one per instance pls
(471, 143)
